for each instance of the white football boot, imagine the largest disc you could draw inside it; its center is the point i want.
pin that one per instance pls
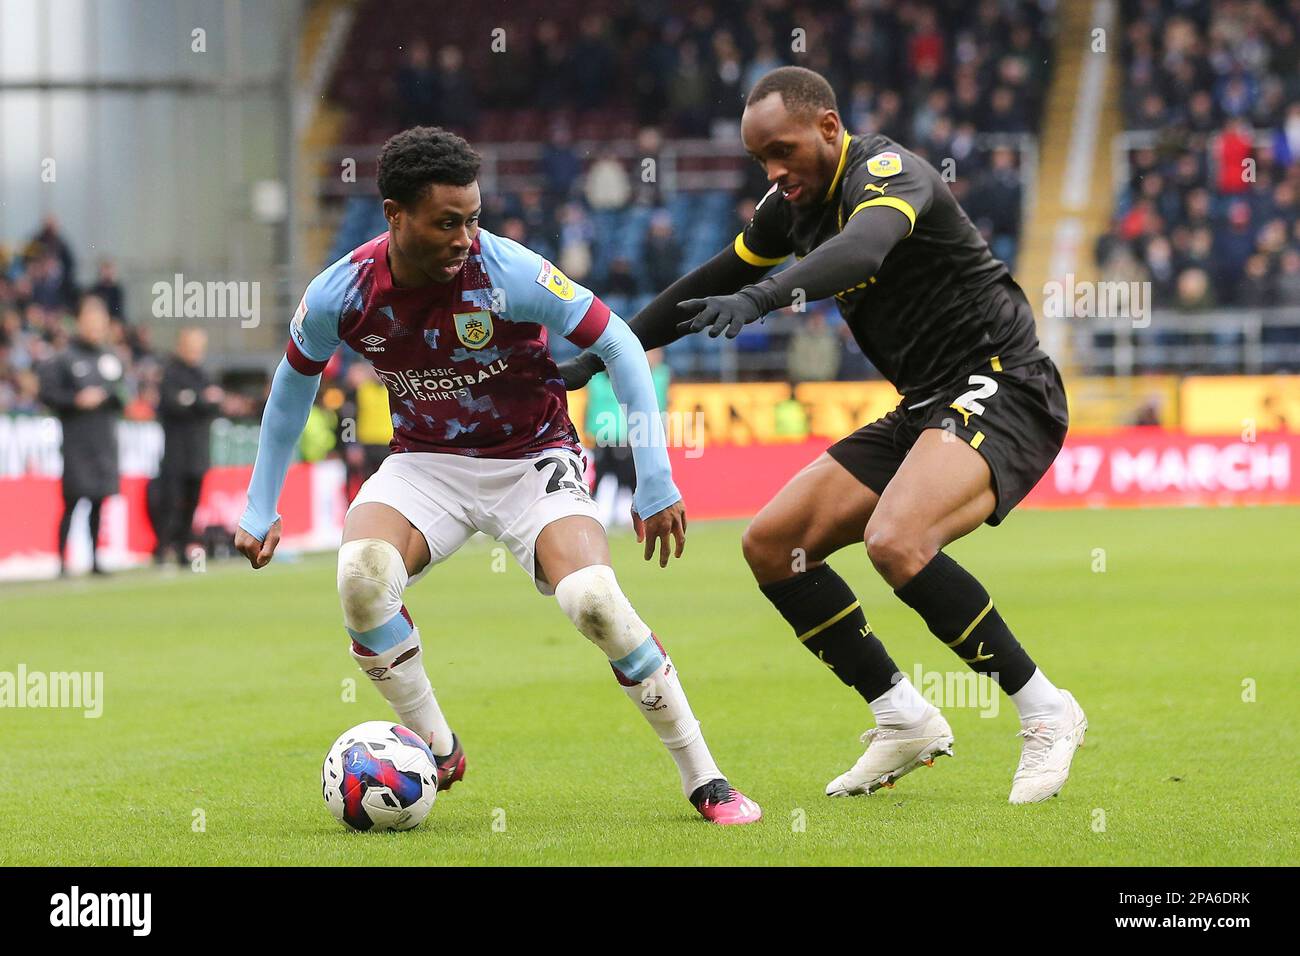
(1045, 758)
(893, 752)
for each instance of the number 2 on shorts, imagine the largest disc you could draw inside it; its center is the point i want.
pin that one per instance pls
(969, 402)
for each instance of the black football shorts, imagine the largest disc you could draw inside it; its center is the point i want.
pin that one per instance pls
(1016, 418)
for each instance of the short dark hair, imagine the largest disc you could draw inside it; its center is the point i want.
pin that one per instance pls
(802, 91)
(423, 156)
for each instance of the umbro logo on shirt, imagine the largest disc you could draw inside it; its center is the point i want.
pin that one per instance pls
(372, 343)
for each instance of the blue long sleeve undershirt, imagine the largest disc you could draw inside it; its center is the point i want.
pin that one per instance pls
(283, 420)
(629, 374)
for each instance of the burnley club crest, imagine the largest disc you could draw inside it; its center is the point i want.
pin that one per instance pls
(474, 329)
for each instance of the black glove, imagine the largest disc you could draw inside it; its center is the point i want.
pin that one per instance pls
(578, 371)
(722, 313)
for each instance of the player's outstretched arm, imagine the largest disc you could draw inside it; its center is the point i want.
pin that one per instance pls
(283, 420)
(657, 324)
(313, 337)
(838, 264)
(660, 513)
(535, 291)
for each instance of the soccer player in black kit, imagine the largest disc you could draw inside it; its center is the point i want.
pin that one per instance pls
(983, 416)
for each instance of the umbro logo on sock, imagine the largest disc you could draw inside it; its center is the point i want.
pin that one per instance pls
(377, 673)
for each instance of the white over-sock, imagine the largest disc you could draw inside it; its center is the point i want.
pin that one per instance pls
(662, 701)
(398, 674)
(1039, 699)
(901, 706)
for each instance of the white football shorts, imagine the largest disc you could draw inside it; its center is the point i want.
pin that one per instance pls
(449, 497)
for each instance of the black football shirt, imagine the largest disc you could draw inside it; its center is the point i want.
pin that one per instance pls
(940, 305)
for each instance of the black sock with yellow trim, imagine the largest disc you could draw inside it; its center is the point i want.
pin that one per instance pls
(828, 620)
(960, 613)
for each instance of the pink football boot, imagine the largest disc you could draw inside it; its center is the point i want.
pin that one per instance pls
(720, 803)
(451, 767)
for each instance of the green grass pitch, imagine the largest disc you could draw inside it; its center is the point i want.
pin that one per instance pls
(223, 690)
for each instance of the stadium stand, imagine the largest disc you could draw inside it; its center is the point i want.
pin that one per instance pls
(667, 81)
(1207, 208)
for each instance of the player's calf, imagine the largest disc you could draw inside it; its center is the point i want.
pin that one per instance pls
(597, 606)
(385, 642)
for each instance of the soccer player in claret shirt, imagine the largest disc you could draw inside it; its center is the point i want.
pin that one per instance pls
(982, 418)
(455, 320)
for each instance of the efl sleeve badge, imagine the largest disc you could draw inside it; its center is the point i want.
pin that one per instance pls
(885, 164)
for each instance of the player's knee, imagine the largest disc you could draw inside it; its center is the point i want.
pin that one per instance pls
(895, 552)
(762, 546)
(597, 607)
(371, 578)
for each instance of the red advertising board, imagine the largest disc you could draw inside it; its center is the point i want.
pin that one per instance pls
(1130, 468)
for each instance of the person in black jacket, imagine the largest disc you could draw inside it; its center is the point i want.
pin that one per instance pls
(188, 401)
(83, 385)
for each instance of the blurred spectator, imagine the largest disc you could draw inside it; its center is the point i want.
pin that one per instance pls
(1288, 280)
(457, 103)
(622, 283)
(1256, 289)
(514, 229)
(551, 70)
(83, 385)
(689, 94)
(108, 289)
(1233, 150)
(854, 366)
(663, 253)
(1194, 291)
(366, 407)
(49, 240)
(1232, 247)
(727, 94)
(607, 185)
(561, 167)
(320, 434)
(645, 183)
(417, 87)
(538, 220)
(593, 63)
(576, 234)
(814, 350)
(188, 402)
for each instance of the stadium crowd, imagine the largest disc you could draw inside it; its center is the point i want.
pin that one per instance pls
(39, 294)
(1210, 214)
(931, 73)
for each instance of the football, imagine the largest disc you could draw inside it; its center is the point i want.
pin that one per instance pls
(379, 776)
